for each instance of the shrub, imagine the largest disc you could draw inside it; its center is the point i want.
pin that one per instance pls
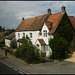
(13, 44)
(2, 42)
(2, 45)
(59, 47)
(28, 52)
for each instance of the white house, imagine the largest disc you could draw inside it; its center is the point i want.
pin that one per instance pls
(9, 38)
(39, 29)
(38, 38)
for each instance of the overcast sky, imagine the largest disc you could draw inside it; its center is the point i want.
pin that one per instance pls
(11, 12)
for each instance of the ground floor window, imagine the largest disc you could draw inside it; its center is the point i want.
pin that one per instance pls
(45, 48)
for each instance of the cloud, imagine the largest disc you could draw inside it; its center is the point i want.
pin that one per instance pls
(25, 15)
(11, 12)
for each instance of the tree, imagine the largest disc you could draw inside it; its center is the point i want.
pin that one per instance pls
(9, 31)
(0, 28)
(59, 47)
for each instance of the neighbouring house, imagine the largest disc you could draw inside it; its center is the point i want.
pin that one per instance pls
(9, 38)
(72, 19)
(41, 28)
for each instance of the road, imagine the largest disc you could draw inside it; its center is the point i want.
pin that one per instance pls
(7, 70)
(64, 67)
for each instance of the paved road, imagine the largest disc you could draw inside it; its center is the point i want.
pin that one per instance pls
(64, 67)
(7, 70)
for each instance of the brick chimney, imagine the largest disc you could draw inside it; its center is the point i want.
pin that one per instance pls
(62, 8)
(49, 11)
(22, 18)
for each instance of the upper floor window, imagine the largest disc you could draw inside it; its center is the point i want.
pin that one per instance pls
(30, 35)
(18, 34)
(23, 34)
(45, 33)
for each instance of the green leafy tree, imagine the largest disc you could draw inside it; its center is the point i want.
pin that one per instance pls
(9, 31)
(0, 28)
(59, 47)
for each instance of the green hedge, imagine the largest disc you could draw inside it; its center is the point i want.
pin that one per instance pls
(59, 47)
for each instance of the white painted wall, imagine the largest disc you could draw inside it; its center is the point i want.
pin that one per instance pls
(48, 51)
(7, 42)
(46, 39)
(34, 35)
(37, 42)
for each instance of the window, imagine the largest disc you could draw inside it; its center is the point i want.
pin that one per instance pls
(45, 33)
(30, 35)
(23, 34)
(18, 34)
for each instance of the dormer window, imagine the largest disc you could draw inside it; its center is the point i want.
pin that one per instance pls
(45, 33)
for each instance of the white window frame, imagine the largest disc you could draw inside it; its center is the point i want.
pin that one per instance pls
(18, 34)
(23, 34)
(45, 33)
(30, 35)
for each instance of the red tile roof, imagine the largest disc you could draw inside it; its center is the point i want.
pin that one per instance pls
(55, 19)
(72, 19)
(48, 24)
(42, 42)
(34, 23)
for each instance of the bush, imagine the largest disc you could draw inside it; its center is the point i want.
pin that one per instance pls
(59, 47)
(2, 45)
(13, 44)
(2, 42)
(28, 52)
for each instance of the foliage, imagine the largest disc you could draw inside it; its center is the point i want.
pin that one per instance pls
(28, 52)
(65, 29)
(2, 28)
(59, 47)
(13, 44)
(2, 42)
(26, 40)
(8, 31)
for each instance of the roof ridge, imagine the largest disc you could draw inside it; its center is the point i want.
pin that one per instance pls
(56, 13)
(35, 17)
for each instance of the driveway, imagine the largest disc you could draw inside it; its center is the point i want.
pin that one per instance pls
(72, 58)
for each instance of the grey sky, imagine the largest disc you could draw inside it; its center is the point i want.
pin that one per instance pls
(11, 12)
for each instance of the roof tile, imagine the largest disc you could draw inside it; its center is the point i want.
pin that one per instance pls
(72, 19)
